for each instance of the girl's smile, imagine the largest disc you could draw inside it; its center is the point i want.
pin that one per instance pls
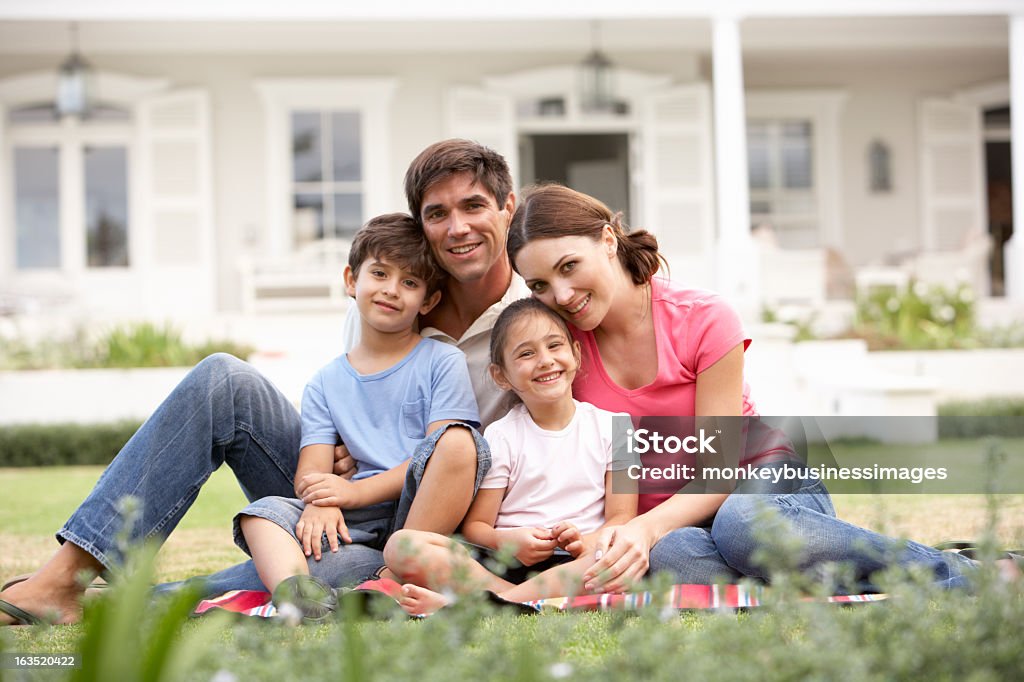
(539, 363)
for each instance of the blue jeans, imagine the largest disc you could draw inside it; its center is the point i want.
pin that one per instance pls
(223, 411)
(724, 552)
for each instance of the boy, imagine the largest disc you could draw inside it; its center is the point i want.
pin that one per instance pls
(393, 394)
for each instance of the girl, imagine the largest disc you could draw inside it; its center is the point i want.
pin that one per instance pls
(652, 347)
(549, 490)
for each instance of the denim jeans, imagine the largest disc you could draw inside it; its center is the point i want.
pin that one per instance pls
(724, 552)
(223, 411)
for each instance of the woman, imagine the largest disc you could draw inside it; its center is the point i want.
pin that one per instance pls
(651, 346)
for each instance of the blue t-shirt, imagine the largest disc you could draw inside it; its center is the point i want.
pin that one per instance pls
(382, 417)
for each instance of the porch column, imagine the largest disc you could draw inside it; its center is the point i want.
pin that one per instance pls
(1014, 254)
(734, 256)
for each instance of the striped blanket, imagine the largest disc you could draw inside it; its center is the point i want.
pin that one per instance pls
(682, 597)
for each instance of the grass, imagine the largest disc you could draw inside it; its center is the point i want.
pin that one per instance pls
(920, 634)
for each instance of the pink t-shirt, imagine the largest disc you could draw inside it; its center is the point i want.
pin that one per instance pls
(693, 330)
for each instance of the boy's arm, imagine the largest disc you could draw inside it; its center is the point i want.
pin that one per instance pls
(326, 489)
(313, 459)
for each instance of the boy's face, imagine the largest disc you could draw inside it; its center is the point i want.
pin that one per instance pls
(389, 298)
(465, 226)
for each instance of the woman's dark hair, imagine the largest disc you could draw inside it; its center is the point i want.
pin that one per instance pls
(550, 211)
(515, 311)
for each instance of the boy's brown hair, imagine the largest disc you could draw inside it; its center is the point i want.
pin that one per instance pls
(397, 239)
(443, 159)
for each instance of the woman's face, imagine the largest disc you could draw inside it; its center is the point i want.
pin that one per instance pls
(574, 276)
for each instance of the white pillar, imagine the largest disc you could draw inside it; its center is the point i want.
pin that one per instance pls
(1014, 253)
(735, 272)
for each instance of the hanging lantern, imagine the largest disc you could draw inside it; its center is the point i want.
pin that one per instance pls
(596, 88)
(74, 83)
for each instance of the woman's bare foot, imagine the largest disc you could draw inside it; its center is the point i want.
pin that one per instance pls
(419, 601)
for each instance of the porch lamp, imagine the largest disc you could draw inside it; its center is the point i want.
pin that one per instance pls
(74, 83)
(596, 78)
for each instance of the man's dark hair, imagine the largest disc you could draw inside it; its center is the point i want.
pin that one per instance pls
(443, 159)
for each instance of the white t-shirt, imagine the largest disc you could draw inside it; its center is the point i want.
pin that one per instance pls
(551, 476)
(475, 343)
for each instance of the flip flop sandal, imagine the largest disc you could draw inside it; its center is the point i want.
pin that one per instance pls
(25, 576)
(20, 616)
(314, 598)
(15, 580)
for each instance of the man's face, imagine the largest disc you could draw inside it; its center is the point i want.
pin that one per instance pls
(465, 226)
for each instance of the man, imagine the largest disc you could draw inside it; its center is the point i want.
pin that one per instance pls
(225, 411)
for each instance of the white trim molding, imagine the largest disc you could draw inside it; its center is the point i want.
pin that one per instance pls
(371, 97)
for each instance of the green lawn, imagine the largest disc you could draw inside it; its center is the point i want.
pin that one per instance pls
(917, 635)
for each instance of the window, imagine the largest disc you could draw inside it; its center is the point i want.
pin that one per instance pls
(794, 163)
(780, 160)
(70, 188)
(37, 206)
(327, 174)
(328, 153)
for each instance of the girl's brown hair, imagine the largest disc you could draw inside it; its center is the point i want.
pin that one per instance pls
(516, 310)
(550, 211)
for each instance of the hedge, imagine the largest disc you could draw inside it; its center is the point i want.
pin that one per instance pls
(981, 418)
(34, 445)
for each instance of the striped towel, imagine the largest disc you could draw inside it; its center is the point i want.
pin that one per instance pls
(682, 597)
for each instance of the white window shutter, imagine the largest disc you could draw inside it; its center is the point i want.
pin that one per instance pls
(678, 178)
(175, 196)
(952, 185)
(487, 118)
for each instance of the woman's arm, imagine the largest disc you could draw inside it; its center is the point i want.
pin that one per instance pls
(624, 550)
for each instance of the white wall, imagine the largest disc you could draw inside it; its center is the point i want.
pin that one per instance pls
(238, 122)
(883, 90)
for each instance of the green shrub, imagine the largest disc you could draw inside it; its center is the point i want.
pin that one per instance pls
(133, 345)
(921, 317)
(981, 418)
(33, 445)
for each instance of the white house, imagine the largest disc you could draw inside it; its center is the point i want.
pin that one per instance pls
(863, 139)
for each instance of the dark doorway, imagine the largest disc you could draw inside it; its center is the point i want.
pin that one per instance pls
(594, 164)
(1000, 194)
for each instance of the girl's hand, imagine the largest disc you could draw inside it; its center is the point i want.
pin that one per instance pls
(327, 490)
(532, 545)
(568, 537)
(621, 559)
(314, 522)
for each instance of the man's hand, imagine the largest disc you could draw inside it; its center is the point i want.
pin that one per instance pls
(327, 490)
(344, 463)
(568, 537)
(314, 522)
(532, 545)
